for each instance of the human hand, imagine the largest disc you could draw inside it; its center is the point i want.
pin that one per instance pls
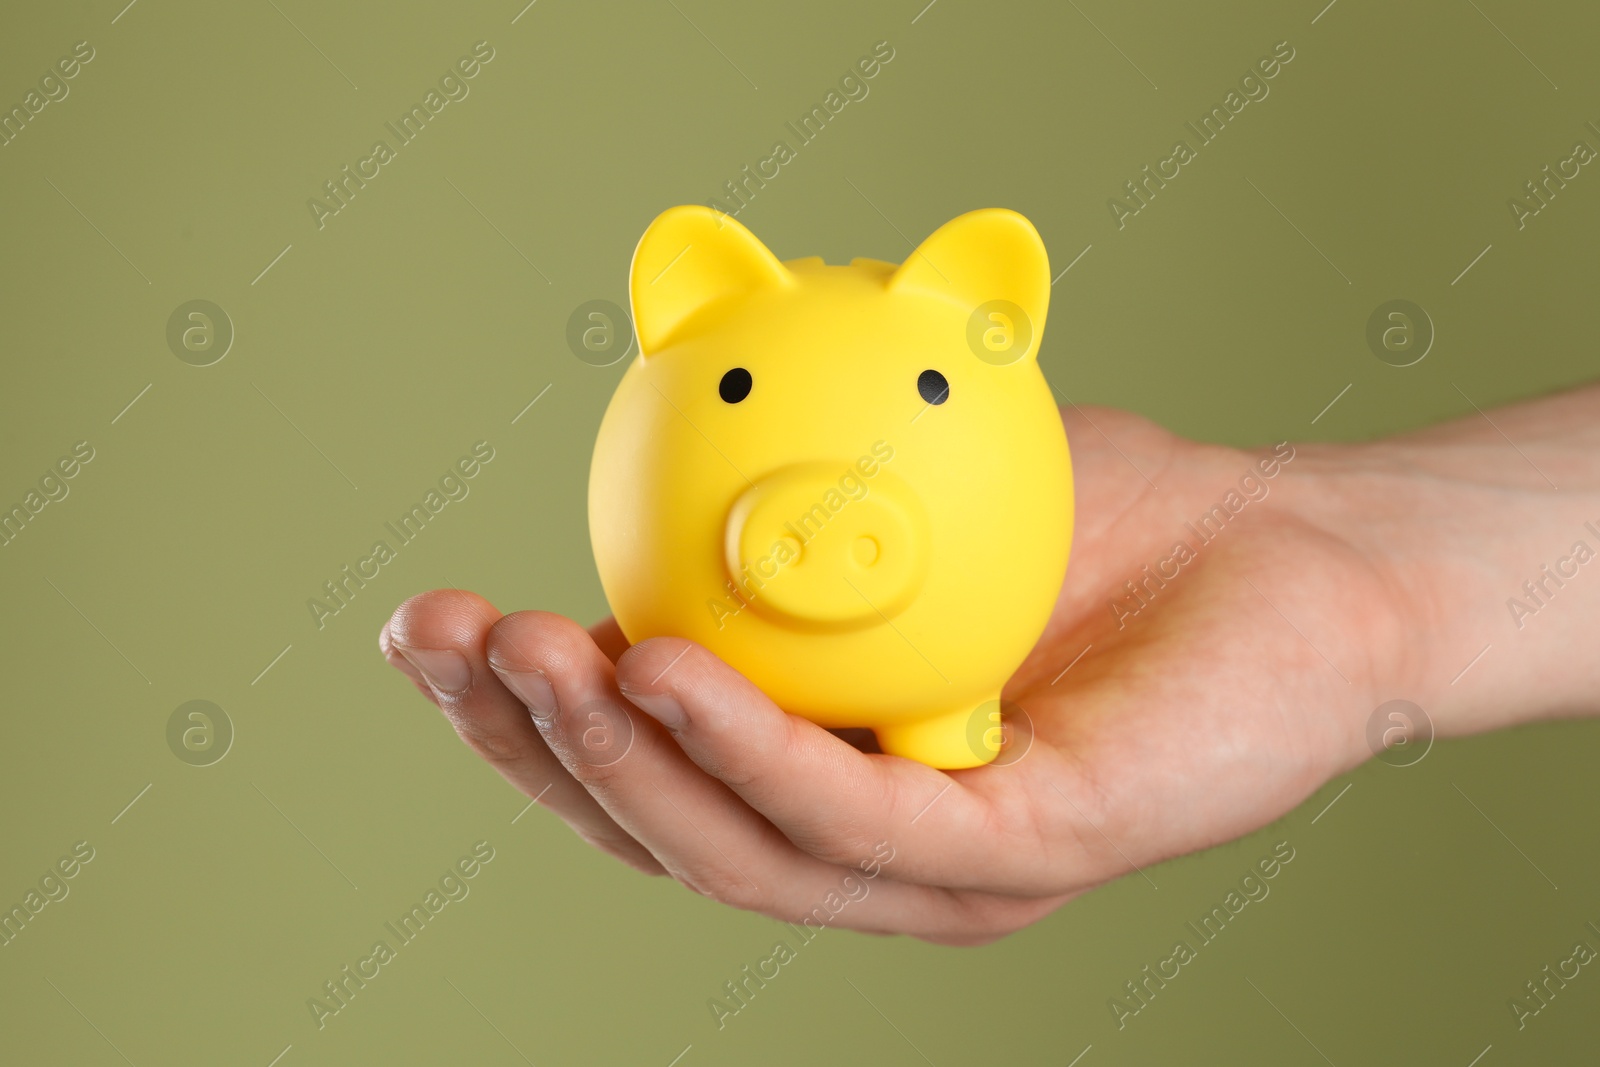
(1242, 682)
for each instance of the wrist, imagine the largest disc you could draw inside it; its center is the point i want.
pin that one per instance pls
(1494, 574)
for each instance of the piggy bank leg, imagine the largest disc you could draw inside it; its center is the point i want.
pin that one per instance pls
(970, 737)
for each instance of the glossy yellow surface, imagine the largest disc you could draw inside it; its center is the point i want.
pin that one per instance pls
(867, 557)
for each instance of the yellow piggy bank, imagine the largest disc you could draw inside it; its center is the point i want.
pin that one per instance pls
(851, 483)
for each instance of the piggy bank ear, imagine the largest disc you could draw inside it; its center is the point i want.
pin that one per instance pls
(982, 256)
(691, 257)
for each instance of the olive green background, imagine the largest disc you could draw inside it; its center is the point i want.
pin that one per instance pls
(429, 313)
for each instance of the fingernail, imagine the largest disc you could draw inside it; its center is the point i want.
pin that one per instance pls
(445, 670)
(662, 707)
(392, 656)
(533, 689)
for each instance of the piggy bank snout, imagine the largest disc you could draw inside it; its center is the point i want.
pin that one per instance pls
(817, 545)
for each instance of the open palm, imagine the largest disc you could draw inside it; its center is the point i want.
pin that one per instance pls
(1196, 704)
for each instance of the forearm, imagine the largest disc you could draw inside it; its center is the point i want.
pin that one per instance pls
(1489, 529)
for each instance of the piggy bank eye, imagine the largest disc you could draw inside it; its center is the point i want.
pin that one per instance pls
(933, 387)
(735, 385)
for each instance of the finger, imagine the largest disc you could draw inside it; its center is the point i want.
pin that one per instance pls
(440, 637)
(695, 825)
(834, 802)
(400, 663)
